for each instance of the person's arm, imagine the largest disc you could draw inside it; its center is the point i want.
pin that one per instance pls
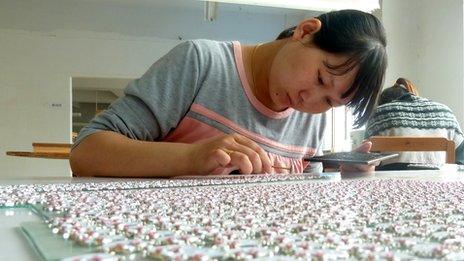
(111, 154)
(121, 140)
(126, 140)
(108, 153)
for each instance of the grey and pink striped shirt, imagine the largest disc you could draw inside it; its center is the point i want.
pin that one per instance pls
(200, 90)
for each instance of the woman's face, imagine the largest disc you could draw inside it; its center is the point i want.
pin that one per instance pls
(299, 79)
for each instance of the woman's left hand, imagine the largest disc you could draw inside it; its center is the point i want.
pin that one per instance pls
(365, 147)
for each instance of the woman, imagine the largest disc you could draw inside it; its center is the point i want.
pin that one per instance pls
(402, 112)
(212, 107)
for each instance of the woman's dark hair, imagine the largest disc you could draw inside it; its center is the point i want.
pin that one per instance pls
(400, 88)
(361, 36)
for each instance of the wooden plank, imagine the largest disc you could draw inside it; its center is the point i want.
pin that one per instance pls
(450, 152)
(51, 147)
(403, 143)
(45, 155)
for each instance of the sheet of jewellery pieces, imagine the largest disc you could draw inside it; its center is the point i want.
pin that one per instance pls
(269, 217)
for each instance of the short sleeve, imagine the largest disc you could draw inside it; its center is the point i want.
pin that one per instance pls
(154, 104)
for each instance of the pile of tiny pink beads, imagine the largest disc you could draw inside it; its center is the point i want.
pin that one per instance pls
(265, 217)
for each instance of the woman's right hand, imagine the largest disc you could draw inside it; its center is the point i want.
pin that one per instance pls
(230, 151)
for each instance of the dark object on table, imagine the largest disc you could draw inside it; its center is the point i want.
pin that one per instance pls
(408, 166)
(353, 157)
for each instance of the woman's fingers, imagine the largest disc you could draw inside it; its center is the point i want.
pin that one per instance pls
(234, 151)
(242, 162)
(258, 164)
(344, 168)
(365, 147)
(257, 155)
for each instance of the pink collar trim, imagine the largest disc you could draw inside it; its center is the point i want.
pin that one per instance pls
(249, 93)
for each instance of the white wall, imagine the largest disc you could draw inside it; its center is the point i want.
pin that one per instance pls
(425, 45)
(45, 43)
(36, 71)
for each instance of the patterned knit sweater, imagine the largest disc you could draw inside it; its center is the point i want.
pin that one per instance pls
(415, 116)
